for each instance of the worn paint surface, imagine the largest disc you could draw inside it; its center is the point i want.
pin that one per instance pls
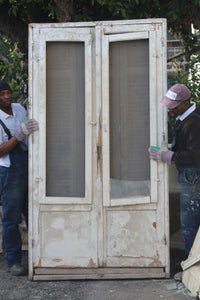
(99, 148)
(95, 231)
(129, 235)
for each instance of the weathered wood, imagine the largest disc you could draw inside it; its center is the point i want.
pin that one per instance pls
(190, 262)
(96, 277)
(78, 271)
(191, 267)
(93, 229)
(191, 279)
(101, 273)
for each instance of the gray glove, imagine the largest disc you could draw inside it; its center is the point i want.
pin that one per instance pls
(160, 155)
(26, 128)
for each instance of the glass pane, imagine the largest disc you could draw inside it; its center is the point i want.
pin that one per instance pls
(65, 120)
(129, 118)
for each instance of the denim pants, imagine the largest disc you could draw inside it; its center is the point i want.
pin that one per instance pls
(189, 179)
(14, 198)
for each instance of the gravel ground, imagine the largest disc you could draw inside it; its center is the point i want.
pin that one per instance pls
(19, 288)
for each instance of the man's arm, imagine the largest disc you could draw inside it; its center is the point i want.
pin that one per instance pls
(25, 129)
(7, 147)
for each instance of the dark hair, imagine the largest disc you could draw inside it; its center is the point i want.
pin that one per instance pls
(4, 86)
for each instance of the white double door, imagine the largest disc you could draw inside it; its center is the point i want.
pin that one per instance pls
(95, 198)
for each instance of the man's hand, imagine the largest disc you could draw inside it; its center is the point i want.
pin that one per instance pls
(26, 128)
(159, 155)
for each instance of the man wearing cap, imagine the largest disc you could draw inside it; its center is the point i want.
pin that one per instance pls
(14, 128)
(185, 153)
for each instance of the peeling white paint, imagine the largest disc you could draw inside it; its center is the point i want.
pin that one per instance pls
(58, 223)
(98, 230)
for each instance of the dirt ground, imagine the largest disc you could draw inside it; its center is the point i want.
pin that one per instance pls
(20, 288)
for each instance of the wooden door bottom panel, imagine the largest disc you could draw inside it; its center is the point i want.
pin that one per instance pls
(97, 273)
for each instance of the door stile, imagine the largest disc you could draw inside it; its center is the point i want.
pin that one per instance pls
(42, 120)
(153, 86)
(98, 147)
(30, 179)
(163, 169)
(34, 252)
(105, 120)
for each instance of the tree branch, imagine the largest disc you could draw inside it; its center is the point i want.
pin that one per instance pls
(14, 30)
(65, 10)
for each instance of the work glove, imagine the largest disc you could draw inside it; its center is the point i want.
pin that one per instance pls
(159, 155)
(26, 128)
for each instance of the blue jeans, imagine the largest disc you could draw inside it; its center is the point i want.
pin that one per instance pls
(14, 198)
(189, 179)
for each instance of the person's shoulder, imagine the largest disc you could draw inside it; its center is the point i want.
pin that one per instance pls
(197, 110)
(195, 114)
(193, 119)
(18, 107)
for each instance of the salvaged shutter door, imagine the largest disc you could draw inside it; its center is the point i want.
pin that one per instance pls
(62, 227)
(98, 205)
(128, 118)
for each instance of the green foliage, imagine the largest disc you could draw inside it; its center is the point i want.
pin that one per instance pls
(112, 9)
(190, 77)
(26, 10)
(13, 69)
(180, 14)
(4, 48)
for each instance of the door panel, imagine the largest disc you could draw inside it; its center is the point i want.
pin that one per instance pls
(131, 182)
(129, 119)
(66, 115)
(133, 82)
(127, 113)
(65, 177)
(127, 235)
(66, 220)
(67, 239)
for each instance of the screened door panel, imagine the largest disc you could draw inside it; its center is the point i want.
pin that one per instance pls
(65, 177)
(126, 116)
(129, 118)
(65, 116)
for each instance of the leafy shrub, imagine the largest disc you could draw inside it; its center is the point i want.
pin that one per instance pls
(14, 70)
(190, 77)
